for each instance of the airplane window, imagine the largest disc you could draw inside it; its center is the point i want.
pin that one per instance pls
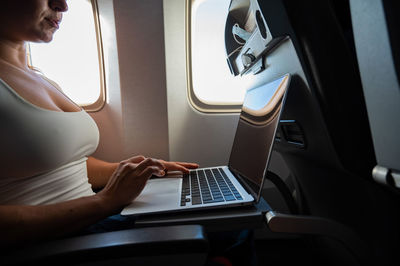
(211, 85)
(74, 58)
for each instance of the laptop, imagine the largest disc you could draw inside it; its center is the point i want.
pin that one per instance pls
(237, 184)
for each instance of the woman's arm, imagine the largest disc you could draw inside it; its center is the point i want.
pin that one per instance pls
(24, 224)
(99, 172)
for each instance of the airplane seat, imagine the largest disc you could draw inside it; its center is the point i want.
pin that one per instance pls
(327, 142)
(176, 245)
(378, 57)
(329, 110)
(377, 38)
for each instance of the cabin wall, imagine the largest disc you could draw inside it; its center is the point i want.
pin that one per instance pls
(134, 120)
(109, 119)
(193, 136)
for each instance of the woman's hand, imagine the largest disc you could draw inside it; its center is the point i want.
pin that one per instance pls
(179, 166)
(128, 180)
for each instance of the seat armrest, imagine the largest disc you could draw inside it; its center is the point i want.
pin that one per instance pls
(151, 242)
(318, 226)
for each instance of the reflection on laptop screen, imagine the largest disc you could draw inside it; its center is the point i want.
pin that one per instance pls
(256, 132)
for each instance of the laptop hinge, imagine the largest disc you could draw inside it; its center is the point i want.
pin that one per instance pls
(386, 176)
(239, 178)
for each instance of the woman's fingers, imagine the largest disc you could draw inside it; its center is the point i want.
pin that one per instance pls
(155, 167)
(136, 159)
(179, 166)
(129, 179)
(152, 170)
(188, 165)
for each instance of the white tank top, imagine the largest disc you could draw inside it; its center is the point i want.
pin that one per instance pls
(50, 145)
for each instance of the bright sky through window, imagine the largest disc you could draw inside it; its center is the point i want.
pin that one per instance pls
(212, 81)
(71, 59)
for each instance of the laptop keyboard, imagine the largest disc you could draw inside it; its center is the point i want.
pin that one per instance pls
(208, 186)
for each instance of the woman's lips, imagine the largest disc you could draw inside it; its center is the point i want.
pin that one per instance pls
(53, 22)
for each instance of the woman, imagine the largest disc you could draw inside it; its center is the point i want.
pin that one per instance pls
(46, 172)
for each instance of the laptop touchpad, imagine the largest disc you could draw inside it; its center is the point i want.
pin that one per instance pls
(158, 194)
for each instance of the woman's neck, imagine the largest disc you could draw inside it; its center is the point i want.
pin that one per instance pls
(13, 53)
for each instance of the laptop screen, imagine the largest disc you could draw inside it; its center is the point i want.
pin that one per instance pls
(255, 133)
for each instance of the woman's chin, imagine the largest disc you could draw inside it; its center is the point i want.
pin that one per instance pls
(45, 37)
